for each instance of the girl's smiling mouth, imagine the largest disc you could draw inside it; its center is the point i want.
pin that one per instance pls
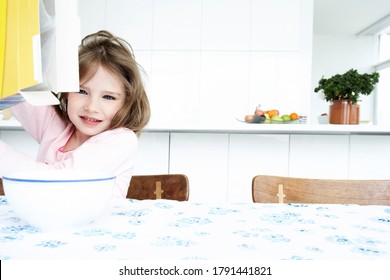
(90, 121)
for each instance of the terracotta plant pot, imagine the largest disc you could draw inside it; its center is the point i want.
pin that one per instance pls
(354, 114)
(344, 112)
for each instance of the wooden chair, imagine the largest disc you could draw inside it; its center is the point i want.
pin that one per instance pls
(277, 189)
(1, 187)
(165, 186)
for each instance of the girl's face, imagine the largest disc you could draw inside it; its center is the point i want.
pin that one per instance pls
(92, 109)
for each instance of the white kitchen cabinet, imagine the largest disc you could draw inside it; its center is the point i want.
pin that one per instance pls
(203, 157)
(220, 164)
(21, 141)
(92, 16)
(153, 153)
(319, 156)
(251, 155)
(279, 24)
(129, 19)
(174, 77)
(369, 157)
(177, 25)
(226, 25)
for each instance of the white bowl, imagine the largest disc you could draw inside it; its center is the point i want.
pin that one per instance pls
(58, 199)
(323, 119)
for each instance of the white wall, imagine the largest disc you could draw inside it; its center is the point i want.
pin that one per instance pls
(211, 60)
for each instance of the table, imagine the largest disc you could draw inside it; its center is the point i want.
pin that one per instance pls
(164, 229)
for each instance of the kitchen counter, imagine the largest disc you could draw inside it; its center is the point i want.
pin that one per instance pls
(243, 128)
(237, 127)
(230, 154)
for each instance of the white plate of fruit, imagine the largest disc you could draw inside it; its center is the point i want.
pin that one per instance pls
(270, 116)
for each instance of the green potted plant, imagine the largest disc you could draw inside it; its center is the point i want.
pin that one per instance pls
(343, 92)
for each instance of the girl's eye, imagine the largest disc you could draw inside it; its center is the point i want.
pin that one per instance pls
(108, 97)
(82, 91)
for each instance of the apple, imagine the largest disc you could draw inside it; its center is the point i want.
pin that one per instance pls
(277, 118)
(249, 118)
(259, 112)
(286, 117)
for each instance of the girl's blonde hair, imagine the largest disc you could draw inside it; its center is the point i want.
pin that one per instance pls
(116, 55)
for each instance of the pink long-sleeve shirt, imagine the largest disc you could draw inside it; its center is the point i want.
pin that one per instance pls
(111, 151)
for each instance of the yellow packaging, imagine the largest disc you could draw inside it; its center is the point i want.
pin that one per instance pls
(19, 46)
(29, 69)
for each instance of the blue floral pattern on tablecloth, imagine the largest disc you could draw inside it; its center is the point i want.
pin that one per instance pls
(164, 229)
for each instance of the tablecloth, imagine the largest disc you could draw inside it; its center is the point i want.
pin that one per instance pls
(167, 229)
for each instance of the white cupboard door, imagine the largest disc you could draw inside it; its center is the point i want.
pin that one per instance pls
(152, 154)
(203, 157)
(251, 155)
(21, 141)
(319, 156)
(369, 158)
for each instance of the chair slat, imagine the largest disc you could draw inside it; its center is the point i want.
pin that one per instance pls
(266, 189)
(164, 186)
(1, 187)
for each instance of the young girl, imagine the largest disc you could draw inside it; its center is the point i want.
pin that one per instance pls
(95, 128)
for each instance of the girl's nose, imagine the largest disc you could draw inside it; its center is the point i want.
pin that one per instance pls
(91, 105)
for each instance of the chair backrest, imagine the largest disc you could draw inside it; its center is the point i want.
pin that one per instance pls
(1, 187)
(164, 186)
(277, 189)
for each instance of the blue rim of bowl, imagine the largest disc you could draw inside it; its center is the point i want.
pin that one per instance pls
(56, 181)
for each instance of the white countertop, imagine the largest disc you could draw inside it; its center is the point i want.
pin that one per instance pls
(235, 126)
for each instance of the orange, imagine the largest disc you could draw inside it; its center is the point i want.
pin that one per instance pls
(294, 116)
(272, 113)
